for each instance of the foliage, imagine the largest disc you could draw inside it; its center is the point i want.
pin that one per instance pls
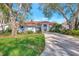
(71, 32)
(29, 32)
(6, 32)
(56, 28)
(66, 10)
(12, 14)
(4, 9)
(38, 31)
(22, 45)
(58, 8)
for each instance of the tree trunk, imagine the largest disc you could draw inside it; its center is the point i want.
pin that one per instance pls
(63, 14)
(13, 25)
(75, 19)
(76, 22)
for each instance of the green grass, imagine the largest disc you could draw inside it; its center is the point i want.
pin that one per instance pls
(23, 45)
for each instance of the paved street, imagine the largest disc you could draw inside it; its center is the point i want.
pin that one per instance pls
(60, 45)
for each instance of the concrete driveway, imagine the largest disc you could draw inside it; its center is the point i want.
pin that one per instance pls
(60, 45)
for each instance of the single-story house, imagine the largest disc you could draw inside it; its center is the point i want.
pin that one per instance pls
(36, 26)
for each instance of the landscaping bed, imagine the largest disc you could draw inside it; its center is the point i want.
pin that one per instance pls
(73, 32)
(22, 45)
(70, 32)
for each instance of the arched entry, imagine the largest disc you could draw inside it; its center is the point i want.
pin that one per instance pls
(44, 27)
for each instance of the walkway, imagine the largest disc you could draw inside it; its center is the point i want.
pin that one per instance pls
(60, 45)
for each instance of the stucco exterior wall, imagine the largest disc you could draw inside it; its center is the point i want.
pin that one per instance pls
(31, 28)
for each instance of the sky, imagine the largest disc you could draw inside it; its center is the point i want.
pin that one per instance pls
(37, 14)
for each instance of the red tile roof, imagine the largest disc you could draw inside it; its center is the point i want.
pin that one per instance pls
(46, 22)
(34, 23)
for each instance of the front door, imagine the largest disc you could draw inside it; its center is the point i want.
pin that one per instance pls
(45, 27)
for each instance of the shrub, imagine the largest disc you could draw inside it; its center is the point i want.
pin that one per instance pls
(64, 32)
(6, 32)
(38, 31)
(70, 32)
(56, 28)
(74, 32)
(29, 32)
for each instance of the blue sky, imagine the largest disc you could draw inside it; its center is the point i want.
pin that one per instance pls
(37, 14)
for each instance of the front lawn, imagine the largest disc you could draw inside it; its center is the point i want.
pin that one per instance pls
(22, 45)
